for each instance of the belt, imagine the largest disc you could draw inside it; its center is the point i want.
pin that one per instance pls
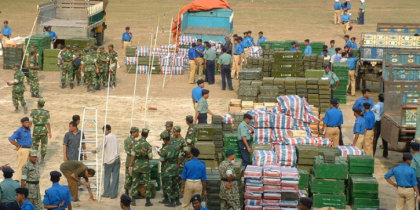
(126, 41)
(352, 69)
(194, 180)
(26, 147)
(404, 187)
(226, 65)
(225, 180)
(370, 129)
(236, 54)
(345, 21)
(332, 126)
(203, 114)
(39, 125)
(30, 182)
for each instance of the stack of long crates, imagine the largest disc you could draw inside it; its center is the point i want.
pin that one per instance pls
(230, 141)
(250, 81)
(313, 73)
(12, 56)
(51, 60)
(205, 143)
(306, 154)
(301, 87)
(268, 92)
(327, 181)
(342, 72)
(324, 95)
(218, 136)
(290, 85)
(213, 188)
(82, 42)
(154, 175)
(287, 64)
(41, 42)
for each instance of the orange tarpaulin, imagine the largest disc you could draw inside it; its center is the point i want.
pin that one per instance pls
(195, 6)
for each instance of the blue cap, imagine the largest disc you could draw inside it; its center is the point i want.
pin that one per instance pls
(24, 119)
(358, 110)
(8, 170)
(205, 91)
(196, 197)
(248, 116)
(55, 174)
(334, 101)
(125, 198)
(200, 81)
(408, 156)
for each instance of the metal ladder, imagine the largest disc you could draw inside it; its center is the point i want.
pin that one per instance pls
(91, 143)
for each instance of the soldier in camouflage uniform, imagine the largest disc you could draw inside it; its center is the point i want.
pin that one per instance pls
(18, 88)
(169, 125)
(229, 192)
(67, 67)
(169, 158)
(90, 68)
(40, 118)
(103, 64)
(113, 56)
(77, 58)
(33, 74)
(191, 136)
(128, 145)
(184, 155)
(30, 179)
(140, 169)
(29, 53)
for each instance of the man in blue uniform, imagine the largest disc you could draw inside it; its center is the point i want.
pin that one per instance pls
(237, 59)
(293, 47)
(6, 32)
(261, 38)
(333, 118)
(125, 202)
(361, 18)
(196, 202)
(352, 61)
(345, 20)
(58, 196)
(308, 49)
(353, 44)
(370, 124)
(244, 138)
(406, 183)
(251, 39)
(364, 99)
(22, 140)
(193, 179)
(53, 36)
(200, 57)
(347, 41)
(337, 12)
(196, 93)
(192, 63)
(8, 189)
(126, 39)
(358, 128)
(378, 111)
(331, 49)
(21, 198)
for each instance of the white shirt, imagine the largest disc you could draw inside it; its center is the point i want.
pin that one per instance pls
(112, 149)
(343, 60)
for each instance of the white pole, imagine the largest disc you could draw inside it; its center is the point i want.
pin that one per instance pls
(134, 98)
(150, 78)
(29, 39)
(169, 43)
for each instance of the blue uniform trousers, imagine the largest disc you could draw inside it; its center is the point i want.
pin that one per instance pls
(210, 71)
(244, 153)
(226, 76)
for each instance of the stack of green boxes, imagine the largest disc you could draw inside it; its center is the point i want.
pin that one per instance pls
(50, 60)
(279, 82)
(304, 179)
(131, 52)
(324, 95)
(342, 72)
(317, 47)
(12, 56)
(237, 119)
(262, 63)
(205, 144)
(306, 154)
(313, 89)
(362, 188)
(290, 85)
(41, 42)
(287, 64)
(213, 188)
(217, 122)
(82, 42)
(230, 141)
(313, 73)
(249, 83)
(267, 45)
(309, 61)
(155, 176)
(301, 87)
(327, 181)
(268, 92)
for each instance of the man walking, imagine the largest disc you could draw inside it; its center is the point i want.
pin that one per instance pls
(30, 179)
(128, 146)
(22, 140)
(103, 65)
(196, 93)
(33, 66)
(40, 118)
(406, 183)
(90, 69)
(74, 169)
(333, 119)
(193, 62)
(71, 143)
(200, 60)
(203, 108)
(209, 62)
(364, 99)
(193, 179)
(337, 12)
(352, 73)
(378, 110)
(169, 158)
(225, 65)
(113, 63)
(237, 59)
(126, 39)
(229, 192)
(358, 128)
(67, 67)
(244, 138)
(18, 88)
(228, 46)
(8, 187)
(345, 20)
(57, 196)
(361, 18)
(111, 161)
(415, 163)
(369, 124)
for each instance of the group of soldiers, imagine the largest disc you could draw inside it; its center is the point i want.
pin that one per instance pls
(173, 155)
(98, 66)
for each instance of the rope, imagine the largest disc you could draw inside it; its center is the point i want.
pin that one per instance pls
(169, 43)
(134, 97)
(29, 39)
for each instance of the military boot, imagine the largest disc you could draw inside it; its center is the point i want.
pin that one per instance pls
(78, 82)
(133, 201)
(37, 95)
(171, 203)
(32, 94)
(88, 89)
(62, 85)
(71, 86)
(25, 110)
(177, 202)
(127, 192)
(98, 87)
(42, 158)
(148, 203)
(16, 109)
(165, 200)
(138, 196)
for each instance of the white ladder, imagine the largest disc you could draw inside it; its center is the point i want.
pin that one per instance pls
(91, 143)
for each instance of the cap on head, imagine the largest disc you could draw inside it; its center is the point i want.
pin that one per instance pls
(145, 130)
(49, 26)
(200, 81)
(55, 174)
(327, 66)
(8, 170)
(125, 198)
(248, 116)
(127, 28)
(357, 110)
(33, 153)
(41, 102)
(164, 135)
(68, 46)
(260, 32)
(230, 152)
(169, 124)
(22, 191)
(196, 197)
(189, 118)
(111, 45)
(134, 129)
(176, 129)
(205, 91)
(415, 146)
(408, 156)
(76, 45)
(334, 101)
(24, 119)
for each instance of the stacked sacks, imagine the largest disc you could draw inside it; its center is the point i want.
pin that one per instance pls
(286, 155)
(349, 150)
(172, 64)
(262, 123)
(272, 187)
(254, 187)
(264, 157)
(186, 40)
(289, 188)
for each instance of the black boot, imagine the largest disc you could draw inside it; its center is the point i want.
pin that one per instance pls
(177, 202)
(78, 83)
(32, 94)
(62, 85)
(138, 196)
(127, 192)
(71, 86)
(171, 204)
(165, 200)
(133, 201)
(16, 110)
(148, 203)
(42, 158)
(37, 95)
(87, 89)
(98, 87)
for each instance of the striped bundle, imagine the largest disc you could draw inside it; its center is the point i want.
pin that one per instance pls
(262, 135)
(286, 154)
(255, 52)
(349, 150)
(228, 119)
(177, 70)
(142, 69)
(308, 141)
(143, 51)
(186, 40)
(130, 60)
(263, 157)
(297, 107)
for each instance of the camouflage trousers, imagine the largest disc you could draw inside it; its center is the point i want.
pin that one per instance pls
(170, 183)
(113, 76)
(178, 181)
(40, 138)
(105, 76)
(100, 77)
(16, 97)
(229, 197)
(67, 70)
(90, 77)
(138, 179)
(77, 73)
(33, 81)
(230, 204)
(34, 195)
(128, 179)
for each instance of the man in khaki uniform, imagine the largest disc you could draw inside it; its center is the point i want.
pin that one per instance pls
(369, 126)
(200, 57)
(126, 39)
(358, 128)
(332, 120)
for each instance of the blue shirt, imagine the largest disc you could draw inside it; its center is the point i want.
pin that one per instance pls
(359, 125)
(378, 111)
(53, 35)
(360, 101)
(404, 175)
(308, 50)
(22, 136)
(245, 42)
(126, 37)
(56, 194)
(202, 208)
(338, 57)
(251, 41)
(343, 6)
(337, 6)
(201, 49)
(27, 206)
(238, 49)
(369, 120)
(192, 53)
(194, 169)
(352, 63)
(354, 45)
(261, 39)
(333, 117)
(7, 31)
(348, 44)
(196, 93)
(345, 18)
(292, 49)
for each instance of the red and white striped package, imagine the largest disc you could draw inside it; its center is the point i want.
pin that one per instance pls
(279, 134)
(178, 61)
(289, 203)
(272, 188)
(166, 61)
(130, 60)
(254, 189)
(289, 183)
(283, 121)
(272, 181)
(253, 202)
(286, 154)
(263, 157)
(349, 150)
(253, 172)
(268, 202)
(177, 70)
(165, 69)
(251, 195)
(323, 142)
(272, 196)
(262, 135)
(272, 171)
(300, 141)
(142, 69)
(297, 107)
(290, 174)
(263, 120)
(285, 189)
(271, 208)
(253, 208)
(143, 51)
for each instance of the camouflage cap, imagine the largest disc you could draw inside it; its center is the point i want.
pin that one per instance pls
(134, 129)
(75, 45)
(169, 124)
(164, 135)
(230, 152)
(111, 45)
(86, 50)
(101, 48)
(68, 46)
(33, 153)
(176, 129)
(145, 130)
(189, 118)
(41, 102)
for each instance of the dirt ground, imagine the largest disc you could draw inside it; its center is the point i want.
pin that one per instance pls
(280, 20)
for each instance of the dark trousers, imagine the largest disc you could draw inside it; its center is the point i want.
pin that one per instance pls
(210, 71)
(112, 171)
(202, 118)
(361, 18)
(226, 76)
(360, 80)
(12, 206)
(332, 92)
(340, 140)
(376, 138)
(244, 153)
